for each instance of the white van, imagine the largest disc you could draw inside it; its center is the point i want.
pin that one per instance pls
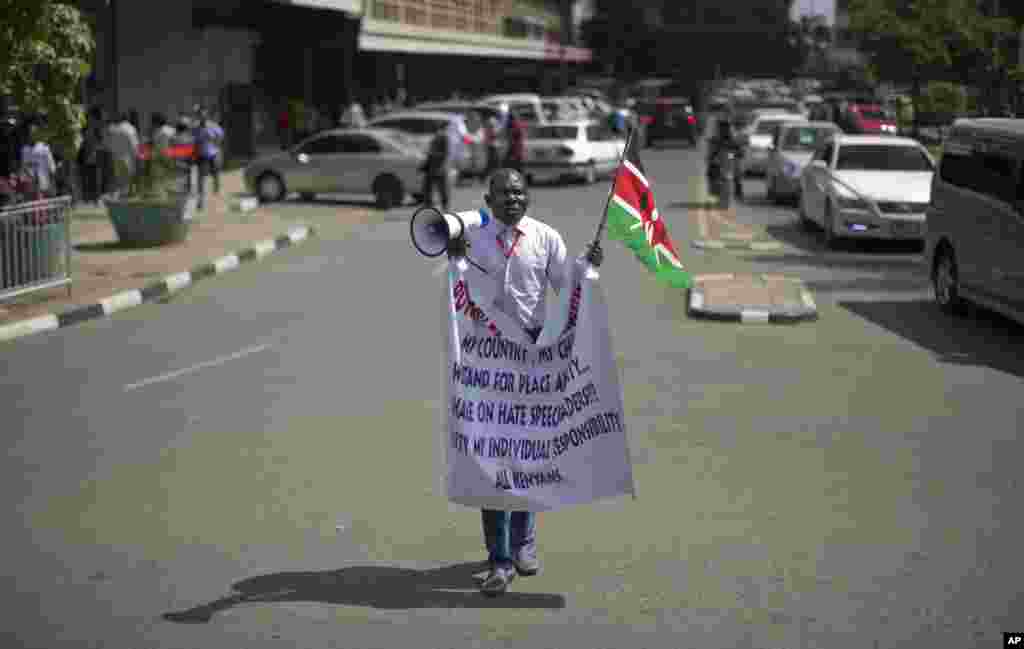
(526, 106)
(975, 238)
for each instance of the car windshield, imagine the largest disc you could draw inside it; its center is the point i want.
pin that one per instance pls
(880, 157)
(553, 132)
(806, 138)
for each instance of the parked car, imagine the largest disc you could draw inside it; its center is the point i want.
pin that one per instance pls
(867, 186)
(563, 109)
(757, 139)
(793, 145)
(975, 239)
(856, 115)
(421, 126)
(582, 149)
(475, 114)
(525, 106)
(375, 161)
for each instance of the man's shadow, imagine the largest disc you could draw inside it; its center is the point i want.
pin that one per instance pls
(377, 586)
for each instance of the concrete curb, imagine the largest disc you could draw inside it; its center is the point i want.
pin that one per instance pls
(747, 314)
(735, 244)
(155, 291)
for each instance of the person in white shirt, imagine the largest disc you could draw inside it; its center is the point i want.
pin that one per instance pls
(524, 257)
(162, 134)
(123, 143)
(37, 161)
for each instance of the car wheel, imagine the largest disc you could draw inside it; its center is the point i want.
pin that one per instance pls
(831, 240)
(805, 221)
(590, 174)
(945, 280)
(270, 188)
(388, 192)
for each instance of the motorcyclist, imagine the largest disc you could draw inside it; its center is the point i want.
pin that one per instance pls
(725, 140)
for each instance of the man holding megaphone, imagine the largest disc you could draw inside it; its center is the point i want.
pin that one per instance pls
(523, 256)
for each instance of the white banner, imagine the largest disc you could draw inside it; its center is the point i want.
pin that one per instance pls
(531, 427)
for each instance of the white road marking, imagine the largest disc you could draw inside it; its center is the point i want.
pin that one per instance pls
(177, 281)
(26, 327)
(754, 316)
(227, 262)
(264, 248)
(696, 300)
(808, 300)
(125, 300)
(198, 366)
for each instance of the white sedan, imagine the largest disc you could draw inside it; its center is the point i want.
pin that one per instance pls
(867, 186)
(758, 138)
(581, 149)
(796, 144)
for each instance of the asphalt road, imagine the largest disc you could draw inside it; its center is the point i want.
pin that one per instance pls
(254, 464)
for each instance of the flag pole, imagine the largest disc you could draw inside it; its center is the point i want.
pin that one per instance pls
(611, 190)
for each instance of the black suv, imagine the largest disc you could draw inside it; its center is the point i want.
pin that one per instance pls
(669, 115)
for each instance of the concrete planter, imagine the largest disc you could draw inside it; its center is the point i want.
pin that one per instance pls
(146, 223)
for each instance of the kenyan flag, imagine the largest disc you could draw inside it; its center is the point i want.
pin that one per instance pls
(633, 219)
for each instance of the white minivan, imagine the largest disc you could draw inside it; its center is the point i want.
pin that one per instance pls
(526, 106)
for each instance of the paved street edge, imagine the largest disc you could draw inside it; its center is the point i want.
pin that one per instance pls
(727, 244)
(169, 285)
(697, 308)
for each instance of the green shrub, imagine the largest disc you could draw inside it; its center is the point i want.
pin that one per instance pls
(153, 179)
(942, 101)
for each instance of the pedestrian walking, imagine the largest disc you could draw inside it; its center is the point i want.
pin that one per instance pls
(162, 133)
(122, 140)
(89, 161)
(527, 256)
(517, 144)
(37, 161)
(183, 136)
(284, 128)
(354, 116)
(437, 169)
(491, 141)
(208, 137)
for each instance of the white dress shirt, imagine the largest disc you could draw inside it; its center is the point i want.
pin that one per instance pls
(522, 261)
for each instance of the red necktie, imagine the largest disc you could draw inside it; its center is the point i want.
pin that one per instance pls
(515, 242)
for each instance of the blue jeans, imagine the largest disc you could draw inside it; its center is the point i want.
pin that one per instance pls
(506, 532)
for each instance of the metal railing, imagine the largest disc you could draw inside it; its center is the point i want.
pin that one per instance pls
(35, 246)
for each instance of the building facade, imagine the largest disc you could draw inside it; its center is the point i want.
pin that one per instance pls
(424, 49)
(250, 60)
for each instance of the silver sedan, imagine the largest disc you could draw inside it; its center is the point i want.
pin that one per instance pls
(380, 162)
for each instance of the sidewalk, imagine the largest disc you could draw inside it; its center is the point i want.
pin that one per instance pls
(101, 268)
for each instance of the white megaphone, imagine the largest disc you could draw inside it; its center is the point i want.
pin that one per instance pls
(431, 230)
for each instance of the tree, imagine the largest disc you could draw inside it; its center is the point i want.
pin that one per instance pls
(927, 40)
(45, 49)
(621, 39)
